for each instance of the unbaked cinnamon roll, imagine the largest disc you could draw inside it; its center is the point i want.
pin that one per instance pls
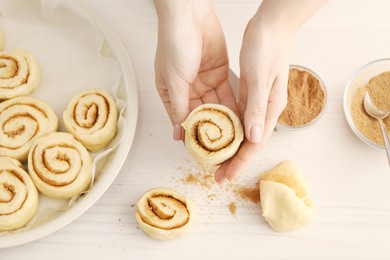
(91, 117)
(22, 120)
(60, 166)
(18, 196)
(213, 133)
(163, 213)
(19, 73)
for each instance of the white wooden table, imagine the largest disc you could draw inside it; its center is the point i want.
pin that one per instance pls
(349, 182)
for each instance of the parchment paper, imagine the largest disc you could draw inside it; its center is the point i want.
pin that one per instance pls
(70, 51)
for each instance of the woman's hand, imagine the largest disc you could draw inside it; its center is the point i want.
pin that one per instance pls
(264, 62)
(191, 65)
(264, 68)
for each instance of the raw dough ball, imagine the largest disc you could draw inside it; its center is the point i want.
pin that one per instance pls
(284, 199)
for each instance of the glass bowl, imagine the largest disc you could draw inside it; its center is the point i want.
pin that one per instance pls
(323, 87)
(360, 78)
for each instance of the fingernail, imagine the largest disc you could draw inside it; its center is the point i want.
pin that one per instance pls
(177, 132)
(219, 178)
(255, 134)
(230, 177)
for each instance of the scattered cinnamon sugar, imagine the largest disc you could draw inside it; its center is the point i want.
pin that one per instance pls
(199, 175)
(232, 208)
(191, 179)
(305, 99)
(248, 193)
(211, 196)
(379, 89)
(203, 180)
(203, 177)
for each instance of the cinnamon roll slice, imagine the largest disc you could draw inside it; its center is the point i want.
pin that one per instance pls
(19, 73)
(18, 196)
(213, 133)
(91, 117)
(22, 120)
(60, 166)
(163, 213)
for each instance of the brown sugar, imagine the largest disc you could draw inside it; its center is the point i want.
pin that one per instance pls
(379, 89)
(203, 177)
(232, 208)
(305, 99)
(248, 193)
(200, 176)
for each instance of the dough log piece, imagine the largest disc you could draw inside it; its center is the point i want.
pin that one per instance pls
(285, 202)
(60, 166)
(91, 117)
(18, 196)
(22, 120)
(213, 133)
(19, 73)
(164, 214)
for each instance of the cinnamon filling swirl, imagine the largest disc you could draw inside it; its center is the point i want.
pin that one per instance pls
(60, 166)
(213, 133)
(91, 117)
(19, 73)
(22, 120)
(18, 195)
(163, 213)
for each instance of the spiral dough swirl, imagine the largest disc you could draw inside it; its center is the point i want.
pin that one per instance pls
(213, 133)
(19, 73)
(91, 117)
(59, 165)
(22, 120)
(163, 213)
(18, 196)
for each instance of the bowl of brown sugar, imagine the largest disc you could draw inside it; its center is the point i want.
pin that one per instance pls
(373, 78)
(307, 99)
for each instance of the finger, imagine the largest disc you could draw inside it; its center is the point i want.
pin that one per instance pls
(220, 174)
(243, 97)
(178, 91)
(163, 92)
(195, 102)
(240, 161)
(210, 97)
(226, 95)
(276, 104)
(256, 110)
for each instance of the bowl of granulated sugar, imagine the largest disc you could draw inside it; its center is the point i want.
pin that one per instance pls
(374, 78)
(307, 99)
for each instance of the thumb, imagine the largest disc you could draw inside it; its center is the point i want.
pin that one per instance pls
(256, 111)
(178, 106)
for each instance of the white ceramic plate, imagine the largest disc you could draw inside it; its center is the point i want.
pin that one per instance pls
(111, 167)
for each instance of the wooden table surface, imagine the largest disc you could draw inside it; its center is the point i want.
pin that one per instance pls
(349, 181)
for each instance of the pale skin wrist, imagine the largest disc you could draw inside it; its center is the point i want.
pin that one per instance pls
(172, 12)
(286, 16)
